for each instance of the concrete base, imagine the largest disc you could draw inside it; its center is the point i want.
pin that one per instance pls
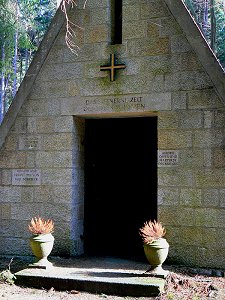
(158, 272)
(110, 276)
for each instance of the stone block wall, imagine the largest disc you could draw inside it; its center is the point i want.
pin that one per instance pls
(48, 134)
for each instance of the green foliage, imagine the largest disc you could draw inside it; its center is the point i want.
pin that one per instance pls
(7, 277)
(203, 12)
(23, 24)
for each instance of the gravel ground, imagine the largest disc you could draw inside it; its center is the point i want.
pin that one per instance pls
(183, 283)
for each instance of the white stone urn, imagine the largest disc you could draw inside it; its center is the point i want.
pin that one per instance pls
(41, 245)
(156, 253)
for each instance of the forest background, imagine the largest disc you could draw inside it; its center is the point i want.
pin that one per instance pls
(23, 24)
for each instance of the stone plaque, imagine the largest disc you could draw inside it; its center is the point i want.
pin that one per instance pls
(115, 104)
(29, 143)
(26, 177)
(168, 158)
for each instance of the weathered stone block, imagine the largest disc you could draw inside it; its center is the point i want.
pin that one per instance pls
(10, 194)
(97, 3)
(208, 157)
(62, 247)
(135, 29)
(185, 62)
(211, 197)
(35, 108)
(55, 55)
(62, 159)
(168, 196)
(175, 177)
(169, 27)
(57, 177)
(174, 216)
(208, 119)
(13, 159)
(168, 120)
(152, 47)
(133, 66)
(187, 80)
(219, 158)
(45, 125)
(156, 65)
(174, 139)
(191, 119)
(154, 10)
(96, 34)
(205, 98)
(219, 118)
(46, 89)
(213, 257)
(20, 125)
(99, 16)
(62, 230)
(31, 160)
(208, 178)
(14, 246)
(56, 159)
(14, 228)
(208, 138)
(57, 142)
(5, 211)
(61, 212)
(44, 194)
(92, 70)
(63, 194)
(191, 197)
(53, 107)
(6, 177)
(179, 100)
(73, 89)
(210, 238)
(179, 44)
(183, 255)
(218, 235)
(131, 13)
(190, 158)
(62, 71)
(11, 143)
(222, 197)
(27, 194)
(190, 236)
(29, 142)
(153, 29)
(31, 125)
(210, 217)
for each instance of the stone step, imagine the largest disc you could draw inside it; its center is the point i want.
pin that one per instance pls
(94, 275)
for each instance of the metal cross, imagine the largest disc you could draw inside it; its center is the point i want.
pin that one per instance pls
(113, 67)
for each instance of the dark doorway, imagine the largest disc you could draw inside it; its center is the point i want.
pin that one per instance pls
(120, 184)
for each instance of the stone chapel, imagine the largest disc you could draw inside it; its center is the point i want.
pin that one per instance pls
(130, 129)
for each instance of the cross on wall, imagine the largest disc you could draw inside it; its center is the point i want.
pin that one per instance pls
(112, 67)
(116, 37)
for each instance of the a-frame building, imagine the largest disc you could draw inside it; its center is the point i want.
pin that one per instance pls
(100, 154)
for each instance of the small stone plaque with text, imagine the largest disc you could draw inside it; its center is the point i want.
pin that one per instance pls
(168, 158)
(26, 177)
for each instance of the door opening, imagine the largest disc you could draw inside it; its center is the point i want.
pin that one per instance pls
(120, 184)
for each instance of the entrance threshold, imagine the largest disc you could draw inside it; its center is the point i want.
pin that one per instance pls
(102, 275)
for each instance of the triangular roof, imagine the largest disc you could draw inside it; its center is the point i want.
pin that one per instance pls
(180, 12)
